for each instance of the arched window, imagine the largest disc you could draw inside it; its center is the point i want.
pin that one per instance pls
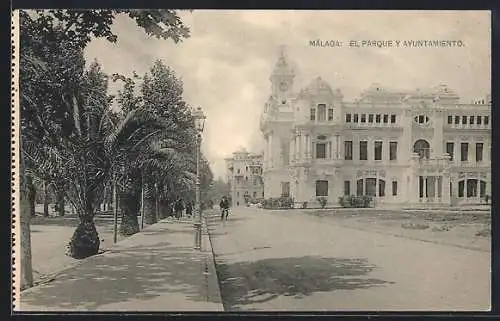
(422, 148)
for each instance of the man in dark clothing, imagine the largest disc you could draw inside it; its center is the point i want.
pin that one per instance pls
(189, 209)
(224, 206)
(179, 207)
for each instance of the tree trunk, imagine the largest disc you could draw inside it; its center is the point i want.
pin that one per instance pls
(60, 203)
(85, 240)
(149, 205)
(162, 209)
(31, 195)
(129, 205)
(45, 200)
(26, 267)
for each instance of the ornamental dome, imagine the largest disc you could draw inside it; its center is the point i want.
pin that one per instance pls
(318, 86)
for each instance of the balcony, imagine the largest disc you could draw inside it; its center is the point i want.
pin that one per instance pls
(431, 163)
(469, 126)
(373, 125)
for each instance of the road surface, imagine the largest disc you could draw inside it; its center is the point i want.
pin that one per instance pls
(291, 261)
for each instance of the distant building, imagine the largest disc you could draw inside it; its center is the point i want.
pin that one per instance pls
(401, 147)
(244, 174)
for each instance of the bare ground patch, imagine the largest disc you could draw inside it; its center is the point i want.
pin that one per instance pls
(469, 229)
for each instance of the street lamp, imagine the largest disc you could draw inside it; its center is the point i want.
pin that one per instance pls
(199, 120)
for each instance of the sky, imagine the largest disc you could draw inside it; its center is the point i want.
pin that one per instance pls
(226, 62)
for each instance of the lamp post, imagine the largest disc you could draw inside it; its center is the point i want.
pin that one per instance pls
(199, 119)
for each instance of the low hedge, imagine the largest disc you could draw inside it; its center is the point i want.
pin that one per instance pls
(356, 201)
(278, 203)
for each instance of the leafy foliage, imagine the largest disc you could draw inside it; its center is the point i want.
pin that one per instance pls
(278, 203)
(356, 201)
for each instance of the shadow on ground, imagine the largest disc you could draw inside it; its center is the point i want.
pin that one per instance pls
(247, 283)
(143, 271)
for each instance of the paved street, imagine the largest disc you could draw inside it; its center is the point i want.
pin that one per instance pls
(288, 260)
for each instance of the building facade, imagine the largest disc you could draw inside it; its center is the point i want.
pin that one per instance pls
(400, 147)
(244, 174)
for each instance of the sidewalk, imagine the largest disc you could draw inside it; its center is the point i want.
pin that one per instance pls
(154, 270)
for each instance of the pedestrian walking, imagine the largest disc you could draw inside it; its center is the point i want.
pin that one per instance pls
(224, 206)
(178, 207)
(189, 209)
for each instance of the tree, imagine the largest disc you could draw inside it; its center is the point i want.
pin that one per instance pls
(47, 39)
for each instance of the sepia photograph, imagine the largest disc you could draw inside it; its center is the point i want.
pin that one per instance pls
(251, 160)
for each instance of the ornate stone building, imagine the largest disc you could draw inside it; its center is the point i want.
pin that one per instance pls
(401, 147)
(244, 174)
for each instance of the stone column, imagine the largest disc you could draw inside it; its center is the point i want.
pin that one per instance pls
(436, 187)
(270, 150)
(472, 150)
(369, 150)
(465, 186)
(445, 188)
(297, 146)
(425, 188)
(337, 147)
(308, 145)
(292, 147)
(303, 148)
(266, 151)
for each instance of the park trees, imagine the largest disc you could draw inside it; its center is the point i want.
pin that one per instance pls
(65, 114)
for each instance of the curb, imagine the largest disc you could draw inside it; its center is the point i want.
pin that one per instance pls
(213, 280)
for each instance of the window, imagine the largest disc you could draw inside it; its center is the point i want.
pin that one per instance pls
(370, 118)
(457, 120)
(479, 152)
(461, 185)
(237, 194)
(347, 118)
(238, 171)
(313, 114)
(472, 188)
(421, 182)
(347, 188)
(363, 118)
(449, 149)
(482, 189)
(321, 112)
(378, 150)
(421, 119)
(348, 150)
(393, 150)
(386, 119)
(393, 119)
(359, 187)
(371, 186)
(330, 114)
(321, 188)
(363, 150)
(254, 194)
(450, 119)
(377, 118)
(381, 187)
(464, 149)
(471, 120)
(464, 120)
(321, 150)
(246, 169)
(394, 188)
(355, 118)
(486, 120)
(285, 189)
(478, 120)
